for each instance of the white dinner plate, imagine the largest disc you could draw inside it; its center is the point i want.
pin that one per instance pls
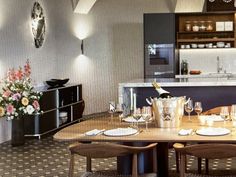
(215, 118)
(120, 132)
(130, 119)
(211, 131)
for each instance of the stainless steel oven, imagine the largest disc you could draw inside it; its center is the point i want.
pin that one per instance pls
(159, 60)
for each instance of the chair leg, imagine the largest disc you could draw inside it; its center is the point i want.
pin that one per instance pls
(182, 165)
(135, 166)
(207, 166)
(177, 161)
(154, 160)
(89, 164)
(71, 167)
(199, 165)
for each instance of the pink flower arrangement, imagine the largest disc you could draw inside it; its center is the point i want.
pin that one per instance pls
(18, 97)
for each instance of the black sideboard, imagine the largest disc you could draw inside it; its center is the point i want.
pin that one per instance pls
(54, 101)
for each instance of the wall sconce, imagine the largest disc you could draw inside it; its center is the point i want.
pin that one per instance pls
(38, 24)
(82, 47)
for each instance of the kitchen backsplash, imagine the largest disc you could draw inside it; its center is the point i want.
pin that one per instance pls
(205, 60)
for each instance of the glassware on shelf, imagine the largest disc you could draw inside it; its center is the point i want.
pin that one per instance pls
(188, 26)
(202, 26)
(195, 26)
(188, 107)
(198, 108)
(209, 26)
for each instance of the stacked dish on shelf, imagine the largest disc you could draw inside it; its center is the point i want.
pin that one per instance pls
(63, 117)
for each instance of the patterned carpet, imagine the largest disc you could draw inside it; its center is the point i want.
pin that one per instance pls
(49, 158)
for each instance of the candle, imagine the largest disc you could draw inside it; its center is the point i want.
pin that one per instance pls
(131, 98)
(134, 101)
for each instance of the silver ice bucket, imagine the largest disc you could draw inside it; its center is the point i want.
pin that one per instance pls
(168, 112)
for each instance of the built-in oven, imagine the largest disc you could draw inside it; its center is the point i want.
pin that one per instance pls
(159, 60)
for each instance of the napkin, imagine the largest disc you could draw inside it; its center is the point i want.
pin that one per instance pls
(185, 132)
(94, 132)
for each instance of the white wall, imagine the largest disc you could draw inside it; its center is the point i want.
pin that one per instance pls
(113, 47)
(17, 42)
(113, 44)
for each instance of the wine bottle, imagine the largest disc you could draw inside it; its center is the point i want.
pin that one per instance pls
(162, 93)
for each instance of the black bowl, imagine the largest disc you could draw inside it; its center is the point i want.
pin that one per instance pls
(57, 82)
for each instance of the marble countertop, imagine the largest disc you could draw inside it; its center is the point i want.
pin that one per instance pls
(173, 82)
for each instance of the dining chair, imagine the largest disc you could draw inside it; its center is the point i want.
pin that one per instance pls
(215, 110)
(107, 150)
(208, 151)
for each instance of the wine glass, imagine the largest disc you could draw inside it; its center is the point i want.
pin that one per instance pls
(189, 108)
(224, 112)
(112, 109)
(119, 109)
(147, 115)
(198, 108)
(233, 117)
(137, 115)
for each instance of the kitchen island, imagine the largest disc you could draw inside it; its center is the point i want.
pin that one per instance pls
(211, 92)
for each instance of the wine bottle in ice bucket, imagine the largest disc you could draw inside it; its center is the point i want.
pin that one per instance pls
(162, 93)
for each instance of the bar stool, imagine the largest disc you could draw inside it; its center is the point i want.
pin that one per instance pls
(107, 150)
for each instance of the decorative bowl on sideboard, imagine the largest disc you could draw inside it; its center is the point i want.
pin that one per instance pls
(57, 82)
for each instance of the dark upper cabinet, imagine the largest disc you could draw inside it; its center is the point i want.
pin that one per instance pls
(159, 28)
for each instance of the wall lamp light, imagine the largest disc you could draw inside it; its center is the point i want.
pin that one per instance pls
(82, 47)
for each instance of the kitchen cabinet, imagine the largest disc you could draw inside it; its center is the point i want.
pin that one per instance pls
(221, 30)
(159, 28)
(159, 45)
(66, 101)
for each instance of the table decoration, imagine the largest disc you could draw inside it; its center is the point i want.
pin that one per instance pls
(184, 132)
(17, 100)
(94, 132)
(130, 119)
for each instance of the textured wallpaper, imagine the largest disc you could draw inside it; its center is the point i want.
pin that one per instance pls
(113, 44)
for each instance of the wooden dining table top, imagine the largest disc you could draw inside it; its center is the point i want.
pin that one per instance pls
(76, 132)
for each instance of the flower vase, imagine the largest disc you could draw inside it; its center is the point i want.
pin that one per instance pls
(17, 136)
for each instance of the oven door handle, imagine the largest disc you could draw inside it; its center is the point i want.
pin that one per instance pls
(160, 73)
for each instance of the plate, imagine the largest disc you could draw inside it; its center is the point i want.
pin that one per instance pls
(211, 131)
(130, 119)
(215, 118)
(120, 132)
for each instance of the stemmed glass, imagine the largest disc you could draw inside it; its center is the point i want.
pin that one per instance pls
(224, 112)
(112, 109)
(198, 108)
(233, 116)
(119, 109)
(137, 115)
(147, 115)
(189, 108)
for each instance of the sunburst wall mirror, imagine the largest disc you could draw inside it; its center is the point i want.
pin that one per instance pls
(38, 24)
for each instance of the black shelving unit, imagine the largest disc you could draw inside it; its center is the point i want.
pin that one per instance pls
(55, 100)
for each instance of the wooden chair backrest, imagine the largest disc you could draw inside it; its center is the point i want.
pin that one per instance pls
(209, 151)
(106, 150)
(215, 110)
